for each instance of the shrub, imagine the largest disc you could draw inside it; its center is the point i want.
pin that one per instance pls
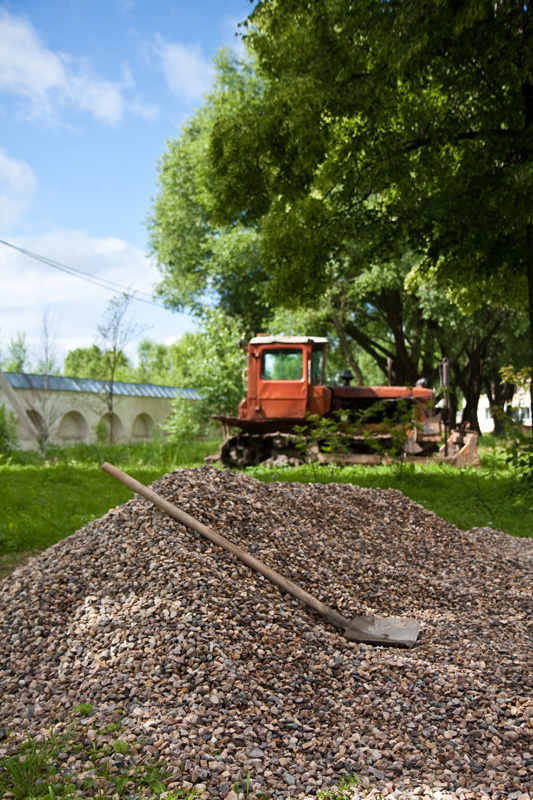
(185, 423)
(8, 431)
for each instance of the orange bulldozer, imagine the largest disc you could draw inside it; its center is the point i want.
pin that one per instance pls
(287, 399)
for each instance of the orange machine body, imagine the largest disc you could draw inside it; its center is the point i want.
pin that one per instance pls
(285, 379)
(286, 384)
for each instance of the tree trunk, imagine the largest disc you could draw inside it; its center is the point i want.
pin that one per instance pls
(337, 322)
(500, 394)
(404, 366)
(530, 296)
(472, 391)
(527, 93)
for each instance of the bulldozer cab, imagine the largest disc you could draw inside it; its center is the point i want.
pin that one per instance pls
(285, 378)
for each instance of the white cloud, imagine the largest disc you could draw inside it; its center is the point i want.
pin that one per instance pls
(187, 72)
(30, 287)
(142, 109)
(17, 186)
(45, 81)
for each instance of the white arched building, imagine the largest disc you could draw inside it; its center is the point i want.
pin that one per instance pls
(74, 408)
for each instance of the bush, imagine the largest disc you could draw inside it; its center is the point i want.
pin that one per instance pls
(185, 423)
(520, 458)
(8, 432)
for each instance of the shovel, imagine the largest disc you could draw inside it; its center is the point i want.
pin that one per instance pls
(392, 631)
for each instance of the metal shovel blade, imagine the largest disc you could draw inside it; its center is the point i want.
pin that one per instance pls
(391, 631)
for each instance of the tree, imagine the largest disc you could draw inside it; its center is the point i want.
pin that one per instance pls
(214, 367)
(17, 354)
(115, 331)
(8, 432)
(441, 162)
(204, 262)
(339, 192)
(153, 363)
(508, 348)
(91, 362)
(45, 408)
(166, 364)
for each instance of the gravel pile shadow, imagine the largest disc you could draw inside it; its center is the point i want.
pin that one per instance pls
(226, 676)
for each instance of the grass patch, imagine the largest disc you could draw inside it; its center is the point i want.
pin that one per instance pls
(86, 759)
(43, 502)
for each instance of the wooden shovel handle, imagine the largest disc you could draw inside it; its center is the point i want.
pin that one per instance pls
(333, 617)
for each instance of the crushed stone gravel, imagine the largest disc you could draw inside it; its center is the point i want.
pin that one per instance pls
(223, 676)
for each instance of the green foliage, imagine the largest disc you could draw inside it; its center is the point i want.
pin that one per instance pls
(45, 502)
(297, 193)
(185, 423)
(32, 771)
(345, 790)
(327, 435)
(168, 365)
(153, 363)
(424, 160)
(390, 436)
(214, 364)
(92, 362)
(521, 459)
(8, 432)
(17, 355)
(381, 428)
(102, 432)
(201, 259)
(83, 708)
(520, 378)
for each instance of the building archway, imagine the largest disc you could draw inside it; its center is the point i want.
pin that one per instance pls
(118, 427)
(35, 418)
(142, 427)
(73, 427)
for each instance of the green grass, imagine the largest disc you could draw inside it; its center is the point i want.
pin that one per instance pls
(45, 502)
(35, 768)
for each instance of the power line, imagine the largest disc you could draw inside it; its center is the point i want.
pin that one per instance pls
(103, 283)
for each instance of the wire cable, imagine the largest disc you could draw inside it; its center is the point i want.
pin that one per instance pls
(103, 283)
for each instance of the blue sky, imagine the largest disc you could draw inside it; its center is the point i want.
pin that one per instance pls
(90, 90)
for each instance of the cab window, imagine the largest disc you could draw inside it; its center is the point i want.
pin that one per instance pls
(282, 365)
(317, 366)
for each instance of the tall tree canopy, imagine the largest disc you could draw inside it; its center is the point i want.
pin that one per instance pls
(367, 155)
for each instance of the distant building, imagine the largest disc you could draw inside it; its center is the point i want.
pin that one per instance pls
(75, 407)
(521, 413)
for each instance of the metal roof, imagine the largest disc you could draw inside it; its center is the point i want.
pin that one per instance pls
(57, 383)
(288, 340)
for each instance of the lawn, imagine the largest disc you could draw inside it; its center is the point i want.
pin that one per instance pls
(42, 502)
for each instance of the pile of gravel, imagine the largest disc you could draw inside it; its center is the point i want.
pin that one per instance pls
(224, 676)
